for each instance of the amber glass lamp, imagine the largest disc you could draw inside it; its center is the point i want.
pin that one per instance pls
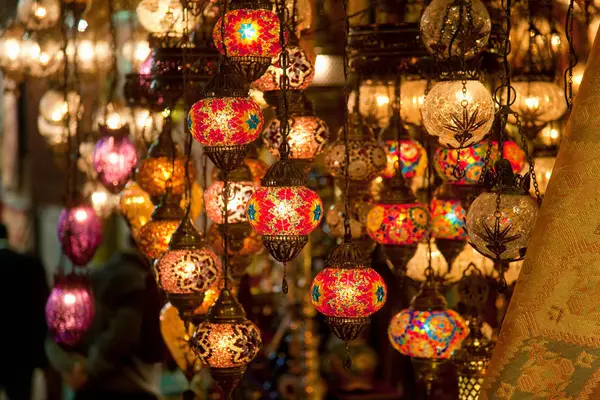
(155, 235)
(163, 164)
(458, 114)
(227, 342)
(348, 291)
(188, 269)
(226, 120)
(249, 37)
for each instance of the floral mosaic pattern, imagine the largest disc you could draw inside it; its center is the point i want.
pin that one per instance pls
(225, 121)
(79, 233)
(188, 271)
(226, 345)
(155, 237)
(249, 33)
(353, 293)
(427, 334)
(398, 224)
(294, 210)
(447, 217)
(307, 137)
(412, 155)
(300, 71)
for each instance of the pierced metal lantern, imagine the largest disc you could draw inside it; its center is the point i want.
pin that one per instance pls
(251, 37)
(225, 121)
(227, 342)
(79, 233)
(348, 291)
(115, 158)
(188, 269)
(155, 235)
(69, 310)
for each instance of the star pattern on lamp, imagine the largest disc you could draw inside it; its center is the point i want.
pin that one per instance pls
(253, 122)
(315, 293)
(247, 31)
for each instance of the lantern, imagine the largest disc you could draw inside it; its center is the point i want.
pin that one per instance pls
(136, 50)
(163, 164)
(543, 166)
(165, 18)
(79, 233)
(504, 238)
(412, 155)
(188, 269)
(451, 28)
(115, 158)
(250, 37)
(447, 215)
(359, 207)
(136, 207)
(471, 161)
(155, 235)
(41, 54)
(251, 244)
(11, 59)
(241, 188)
(300, 71)
(113, 116)
(427, 332)
(225, 121)
(69, 310)
(348, 291)
(367, 157)
(510, 271)
(416, 266)
(307, 136)
(38, 14)
(284, 211)
(458, 114)
(103, 201)
(412, 98)
(53, 113)
(227, 342)
(537, 103)
(375, 100)
(92, 50)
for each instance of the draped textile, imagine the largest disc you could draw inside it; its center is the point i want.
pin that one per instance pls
(549, 345)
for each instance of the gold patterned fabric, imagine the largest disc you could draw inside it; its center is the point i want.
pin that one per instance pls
(549, 345)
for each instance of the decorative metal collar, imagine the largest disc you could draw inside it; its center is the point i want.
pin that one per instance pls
(283, 173)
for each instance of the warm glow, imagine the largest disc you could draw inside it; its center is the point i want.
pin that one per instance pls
(85, 51)
(533, 103)
(382, 100)
(12, 48)
(113, 120)
(80, 215)
(69, 299)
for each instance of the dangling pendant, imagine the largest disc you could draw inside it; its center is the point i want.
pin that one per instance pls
(284, 284)
(347, 358)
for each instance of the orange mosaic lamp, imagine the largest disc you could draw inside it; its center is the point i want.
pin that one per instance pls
(412, 155)
(225, 121)
(163, 164)
(348, 291)
(188, 269)
(447, 223)
(249, 37)
(154, 237)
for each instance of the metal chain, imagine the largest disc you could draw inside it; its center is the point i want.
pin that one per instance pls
(284, 82)
(569, 22)
(530, 161)
(347, 229)
(226, 230)
(114, 74)
(186, 108)
(66, 73)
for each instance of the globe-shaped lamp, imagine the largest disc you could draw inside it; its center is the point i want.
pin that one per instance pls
(537, 103)
(300, 71)
(505, 238)
(103, 201)
(188, 269)
(41, 54)
(165, 18)
(307, 136)
(241, 188)
(411, 153)
(455, 29)
(79, 233)
(250, 38)
(367, 157)
(69, 310)
(11, 58)
(36, 15)
(412, 97)
(458, 116)
(348, 291)
(115, 158)
(155, 235)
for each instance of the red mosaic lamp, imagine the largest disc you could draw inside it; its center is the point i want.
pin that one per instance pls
(115, 158)
(348, 291)
(188, 269)
(226, 120)
(448, 226)
(249, 38)
(412, 155)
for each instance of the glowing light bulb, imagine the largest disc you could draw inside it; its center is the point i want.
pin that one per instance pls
(85, 51)
(12, 48)
(382, 100)
(80, 215)
(113, 120)
(82, 25)
(40, 12)
(69, 299)
(532, 103)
